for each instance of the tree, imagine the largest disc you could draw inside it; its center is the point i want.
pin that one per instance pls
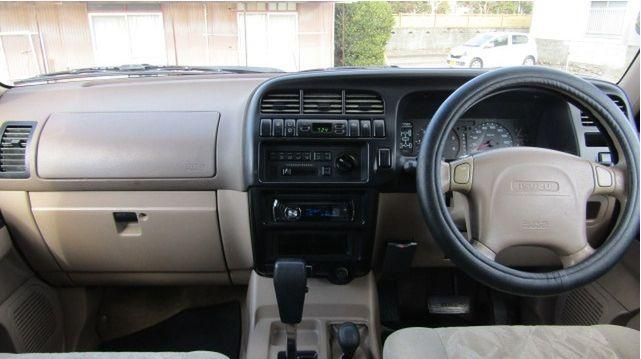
(361, 31)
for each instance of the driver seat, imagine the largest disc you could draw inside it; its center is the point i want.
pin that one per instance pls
(500, 341)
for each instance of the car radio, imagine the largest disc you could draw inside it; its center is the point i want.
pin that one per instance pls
(312, 211)
(314, 163)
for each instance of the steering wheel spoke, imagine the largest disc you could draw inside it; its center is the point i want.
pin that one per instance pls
(608, 180)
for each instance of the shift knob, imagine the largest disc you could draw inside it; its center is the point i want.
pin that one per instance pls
(290, 285)
(349, 339)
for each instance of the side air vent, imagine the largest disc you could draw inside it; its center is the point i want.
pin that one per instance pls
(322, 102)
(619, 102)
(281, 102)
(13, 146)
(363, 103)
(588, 120)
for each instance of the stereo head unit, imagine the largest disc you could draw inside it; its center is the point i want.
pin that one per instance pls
(313, 211)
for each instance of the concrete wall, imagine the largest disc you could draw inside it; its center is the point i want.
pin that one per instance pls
(433, 41)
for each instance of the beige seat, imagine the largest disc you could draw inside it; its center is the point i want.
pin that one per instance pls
(599, 341)
(117, 355)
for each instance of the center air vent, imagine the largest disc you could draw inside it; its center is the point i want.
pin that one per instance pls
(363, 103)
(322, 102)
(14, 140)
(281, 102)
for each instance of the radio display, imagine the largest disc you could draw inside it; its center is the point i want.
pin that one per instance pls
(321, 127)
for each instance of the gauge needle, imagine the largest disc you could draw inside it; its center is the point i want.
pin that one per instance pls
(485, 144)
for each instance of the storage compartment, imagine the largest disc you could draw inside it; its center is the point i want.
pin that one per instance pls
(128, 145)
(140, 232)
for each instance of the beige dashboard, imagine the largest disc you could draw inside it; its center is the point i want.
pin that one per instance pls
(145, 181)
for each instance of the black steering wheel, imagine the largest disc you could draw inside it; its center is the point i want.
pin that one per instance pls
(526, 195)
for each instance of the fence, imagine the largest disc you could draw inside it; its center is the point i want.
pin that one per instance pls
(462, 21)
(606, 21)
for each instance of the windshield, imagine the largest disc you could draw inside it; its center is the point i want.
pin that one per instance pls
(43, 42)
(479, 40)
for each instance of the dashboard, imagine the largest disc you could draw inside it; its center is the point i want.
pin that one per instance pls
(244, 169)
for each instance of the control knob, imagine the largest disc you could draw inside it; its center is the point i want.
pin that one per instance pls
(345, 162)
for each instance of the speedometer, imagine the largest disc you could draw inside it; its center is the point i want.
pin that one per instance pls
(487, 136)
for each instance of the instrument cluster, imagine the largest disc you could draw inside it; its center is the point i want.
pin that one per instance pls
(468, 137)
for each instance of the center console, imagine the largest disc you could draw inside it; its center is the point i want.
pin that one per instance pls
(319, 158)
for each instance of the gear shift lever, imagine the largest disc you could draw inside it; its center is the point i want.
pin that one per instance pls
(349, 339)
(290, 285)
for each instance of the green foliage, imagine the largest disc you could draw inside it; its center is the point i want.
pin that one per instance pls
(410, 7)
(497, 7)
(362, 30)
(420, 7)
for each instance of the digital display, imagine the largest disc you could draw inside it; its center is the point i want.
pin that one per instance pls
(321, 127)
(323, 211)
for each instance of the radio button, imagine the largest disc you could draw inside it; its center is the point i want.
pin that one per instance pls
(366, 128)
(292, 214)
(326, 171)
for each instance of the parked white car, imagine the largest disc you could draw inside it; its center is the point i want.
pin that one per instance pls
(494, 49)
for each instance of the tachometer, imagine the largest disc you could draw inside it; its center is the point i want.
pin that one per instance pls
(487, 136)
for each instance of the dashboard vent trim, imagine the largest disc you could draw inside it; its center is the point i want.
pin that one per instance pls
(363, 102)
(14, 142)
(323, 102)
(281, 102)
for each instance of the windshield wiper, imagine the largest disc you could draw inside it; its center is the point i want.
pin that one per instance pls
(142, 70)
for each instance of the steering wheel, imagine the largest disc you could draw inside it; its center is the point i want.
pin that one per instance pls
(527, 195)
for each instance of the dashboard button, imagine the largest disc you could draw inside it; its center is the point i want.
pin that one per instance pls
(604, 158)
(462, 173)
(379, 128)
(366, 128)
(354, 128)
(265, 127)
(278, 127)
(290, 127)
(326, 171)
(384, 158)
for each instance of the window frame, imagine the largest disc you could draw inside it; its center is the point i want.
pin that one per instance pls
(126, 15)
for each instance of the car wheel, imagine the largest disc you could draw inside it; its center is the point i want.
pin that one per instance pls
(529, 61)
(476, 63)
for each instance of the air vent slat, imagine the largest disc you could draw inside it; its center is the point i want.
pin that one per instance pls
(13, 143)
(363, 103)
(281, 102)
(587, 120)
(619, 102)
(322, 101)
